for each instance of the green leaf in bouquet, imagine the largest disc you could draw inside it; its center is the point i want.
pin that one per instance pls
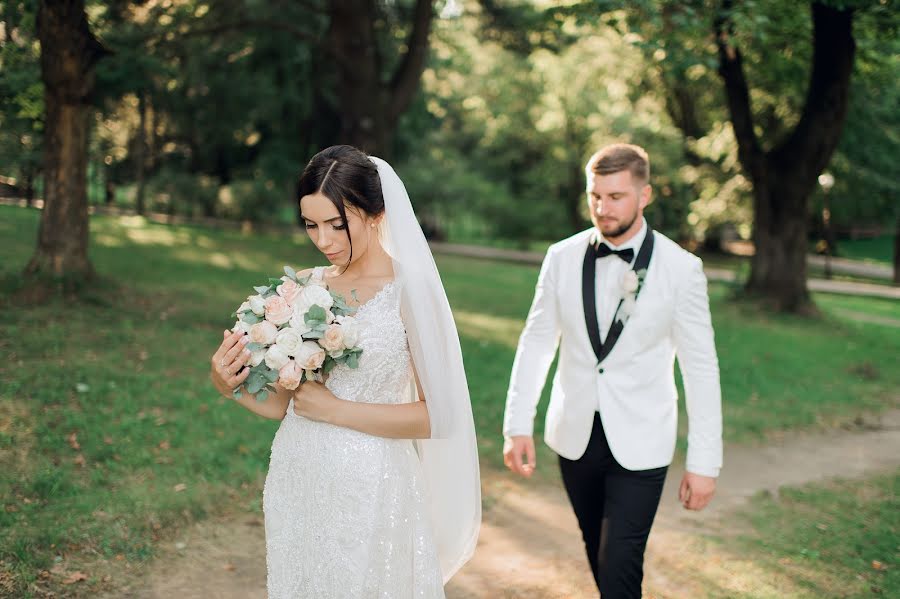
(261, 288)
(290, 272)
(237, 393)
(353, 361)
(271, 375)
(254, 346)
(314, 333)
(255, 382)
(315, 313)
(250, 318)
(262, 395)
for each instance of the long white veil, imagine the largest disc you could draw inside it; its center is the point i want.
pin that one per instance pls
(450, 457)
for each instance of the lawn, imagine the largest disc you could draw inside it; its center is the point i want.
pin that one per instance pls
(837, 539)
(111, 436)
(879, 250)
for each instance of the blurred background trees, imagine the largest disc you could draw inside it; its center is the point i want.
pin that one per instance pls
(488, 108)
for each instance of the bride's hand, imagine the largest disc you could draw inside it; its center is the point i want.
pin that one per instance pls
(314, 401)
(227, 362)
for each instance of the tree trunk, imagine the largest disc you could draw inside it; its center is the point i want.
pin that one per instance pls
(69, 52)
(29, 186)
(897, 252)
(785, 176)
(370, 107)
(140, 157)
(778, 267)
(362, 103)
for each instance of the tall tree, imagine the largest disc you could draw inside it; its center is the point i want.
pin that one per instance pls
(370, 103)
(784, 176)
(69, 52)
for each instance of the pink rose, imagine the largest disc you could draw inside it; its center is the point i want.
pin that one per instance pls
(263, 332)
(310, 356)
(333, 340)
(278, 311)
(289, 375)
(289, 290)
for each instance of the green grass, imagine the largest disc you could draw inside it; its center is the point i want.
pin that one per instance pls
(125, 371)
(832, 540)
(878, 249)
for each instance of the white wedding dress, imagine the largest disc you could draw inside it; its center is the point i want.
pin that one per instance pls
(345, 511)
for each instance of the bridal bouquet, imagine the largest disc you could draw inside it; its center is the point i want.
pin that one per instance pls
(298, 329)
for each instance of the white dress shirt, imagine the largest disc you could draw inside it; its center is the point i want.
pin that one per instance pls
(608, 282)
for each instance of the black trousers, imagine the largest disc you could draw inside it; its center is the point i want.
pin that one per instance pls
(615, 508)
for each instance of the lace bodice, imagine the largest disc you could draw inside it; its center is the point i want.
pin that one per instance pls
(384, 374)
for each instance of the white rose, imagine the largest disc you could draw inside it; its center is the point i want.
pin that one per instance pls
(257, 304)
(257, 357)
(289, 376)
(288, 340)
(630, 281)
(318, 281)
(289, 290)
(333, 339)
(263, 332)
(241, 326)
(245, 306)
(350, 328)
(276, 358)
(313, 295)
(310, 356)
(278, 311)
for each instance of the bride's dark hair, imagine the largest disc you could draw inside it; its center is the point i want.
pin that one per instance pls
(344, 175)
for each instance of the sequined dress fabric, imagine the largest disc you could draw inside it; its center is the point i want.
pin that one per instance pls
(345, 511)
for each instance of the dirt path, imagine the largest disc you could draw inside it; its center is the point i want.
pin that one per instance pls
(530, 545)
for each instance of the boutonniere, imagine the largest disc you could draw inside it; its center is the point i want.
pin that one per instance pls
(632, 281)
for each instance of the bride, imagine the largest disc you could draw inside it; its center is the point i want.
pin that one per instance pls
(373, 487)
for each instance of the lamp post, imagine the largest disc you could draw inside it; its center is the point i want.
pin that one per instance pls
(826, 180)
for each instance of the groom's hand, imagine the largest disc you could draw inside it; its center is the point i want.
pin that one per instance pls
(514, 448)
(696, 491)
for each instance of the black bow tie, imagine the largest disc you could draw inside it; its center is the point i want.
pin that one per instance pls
(602, 251)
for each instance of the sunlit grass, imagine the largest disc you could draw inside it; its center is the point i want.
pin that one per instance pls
(836, 539)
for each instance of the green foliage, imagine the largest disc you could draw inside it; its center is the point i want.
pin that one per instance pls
(235, 98)
(21, 94)
(177, 192)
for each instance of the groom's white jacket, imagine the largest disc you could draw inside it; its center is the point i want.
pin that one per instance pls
(635, 393)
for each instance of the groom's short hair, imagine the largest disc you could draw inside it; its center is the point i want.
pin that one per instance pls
(619, 157)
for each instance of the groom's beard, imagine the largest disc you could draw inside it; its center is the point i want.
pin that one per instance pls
(621, 229)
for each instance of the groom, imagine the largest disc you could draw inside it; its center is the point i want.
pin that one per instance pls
(621, 301)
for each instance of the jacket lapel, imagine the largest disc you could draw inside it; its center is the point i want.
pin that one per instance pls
(589, 296)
